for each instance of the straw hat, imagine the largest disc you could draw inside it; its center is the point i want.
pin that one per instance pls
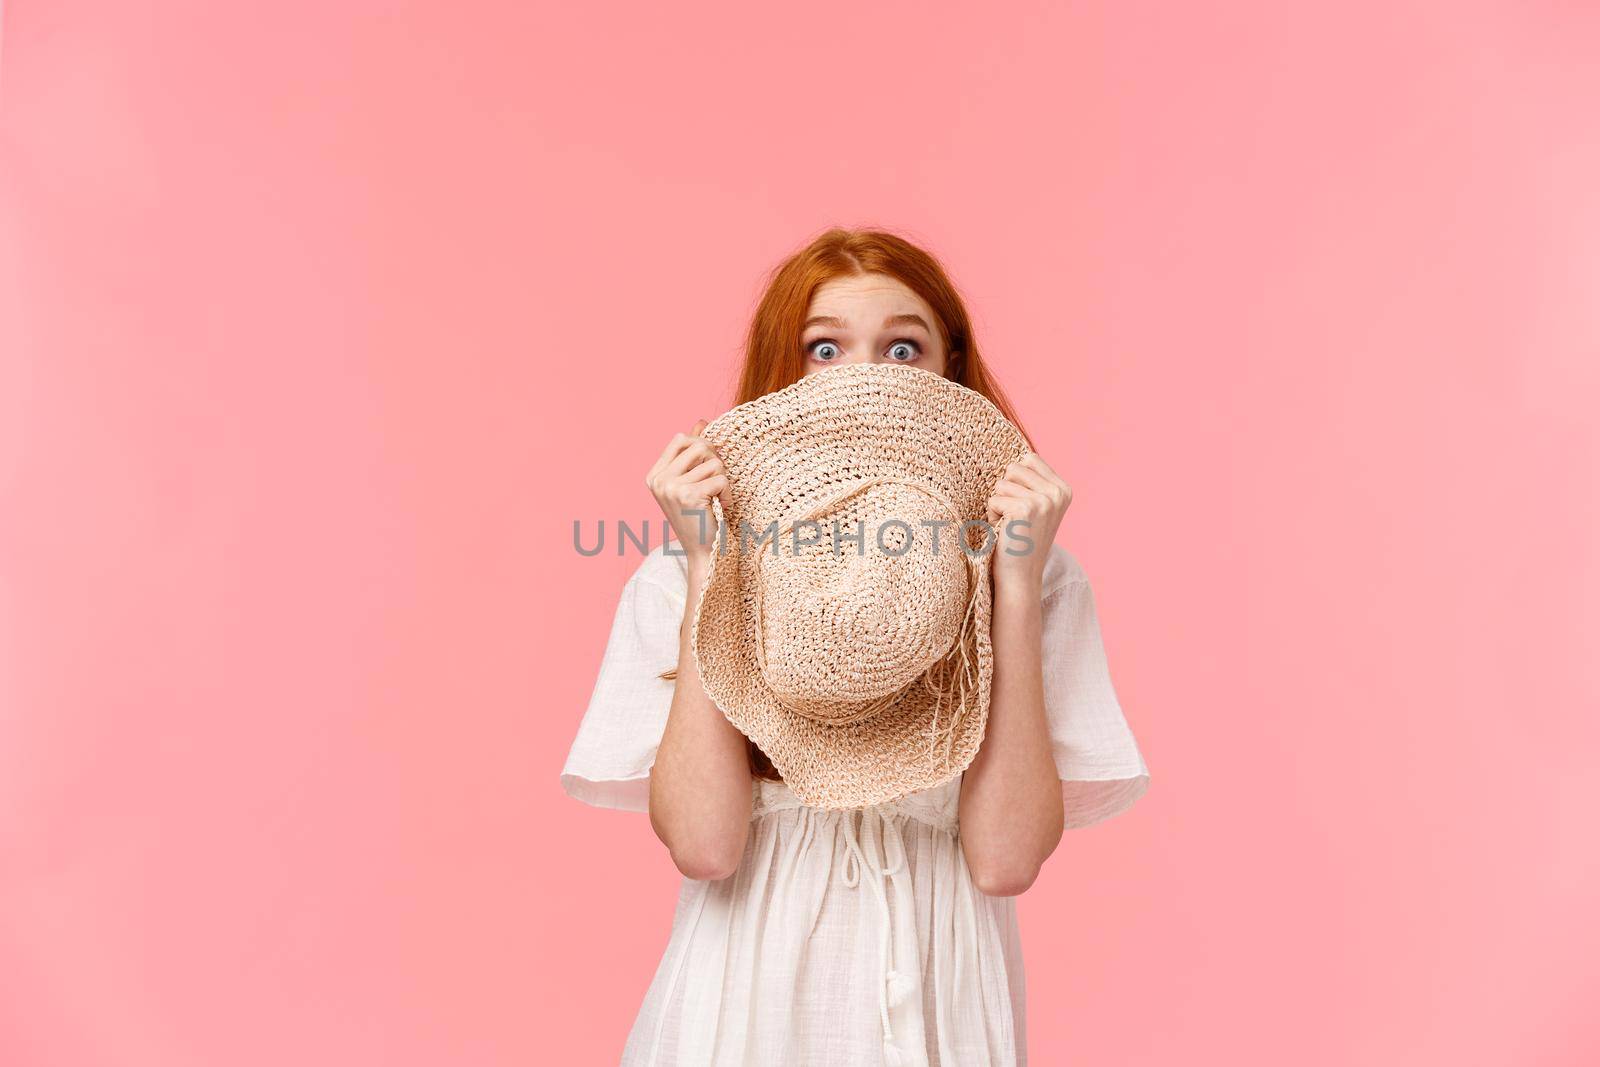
(853, 647)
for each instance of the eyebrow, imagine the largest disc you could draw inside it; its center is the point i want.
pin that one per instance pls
(893, 320)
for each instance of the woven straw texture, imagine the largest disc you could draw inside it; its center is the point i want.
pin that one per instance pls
(854, 647)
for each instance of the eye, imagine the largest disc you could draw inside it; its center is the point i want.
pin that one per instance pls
(904, 350)
(823, 350)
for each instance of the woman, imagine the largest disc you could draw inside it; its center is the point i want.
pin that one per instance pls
(771, 952)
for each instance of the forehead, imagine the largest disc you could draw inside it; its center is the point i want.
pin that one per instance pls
(860, 294)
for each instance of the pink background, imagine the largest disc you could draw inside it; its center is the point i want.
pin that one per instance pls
(321, 324)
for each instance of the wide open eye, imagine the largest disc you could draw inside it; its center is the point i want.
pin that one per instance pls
(824, 351)
(904, 351)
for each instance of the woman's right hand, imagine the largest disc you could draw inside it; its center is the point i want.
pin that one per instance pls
(684, 480)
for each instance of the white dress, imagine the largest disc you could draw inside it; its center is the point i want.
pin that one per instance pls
(844, 938)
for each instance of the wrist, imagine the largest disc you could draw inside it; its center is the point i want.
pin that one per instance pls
(698, 562)
(1021, 584)
(698, 566)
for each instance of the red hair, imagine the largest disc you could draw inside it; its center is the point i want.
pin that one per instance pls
(774, 358)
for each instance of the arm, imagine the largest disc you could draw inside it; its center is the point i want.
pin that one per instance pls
(700, 784)
(1011, 811)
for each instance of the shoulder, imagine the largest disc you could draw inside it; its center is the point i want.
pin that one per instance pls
(1061, 570)
(666, 571)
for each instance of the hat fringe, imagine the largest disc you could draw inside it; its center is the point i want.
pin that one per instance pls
(953, 680)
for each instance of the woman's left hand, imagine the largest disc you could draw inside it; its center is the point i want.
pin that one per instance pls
(1030, 493)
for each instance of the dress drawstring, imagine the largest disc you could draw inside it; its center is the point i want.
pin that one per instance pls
(895, 985)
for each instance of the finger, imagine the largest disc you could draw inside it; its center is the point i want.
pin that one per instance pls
(699, 428)
(703, 471)
(715, 486)
(1011, 488)
(678, 443)
(1008, 505)
(1020, 473)
(693, 454)
(1036, 462)
(706, 492)
(1056, 492)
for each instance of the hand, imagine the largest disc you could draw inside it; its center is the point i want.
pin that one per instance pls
(1028, 492)
(683, 481)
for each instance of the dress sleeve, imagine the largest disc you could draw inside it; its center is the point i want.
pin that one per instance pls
(610, 759)
(1102, 771)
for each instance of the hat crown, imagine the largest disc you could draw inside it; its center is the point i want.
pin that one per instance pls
(860, 599)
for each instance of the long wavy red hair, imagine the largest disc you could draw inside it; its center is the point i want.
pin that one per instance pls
(774, 357)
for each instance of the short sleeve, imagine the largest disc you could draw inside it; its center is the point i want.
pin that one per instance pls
(1101, 768)
(610, 759)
